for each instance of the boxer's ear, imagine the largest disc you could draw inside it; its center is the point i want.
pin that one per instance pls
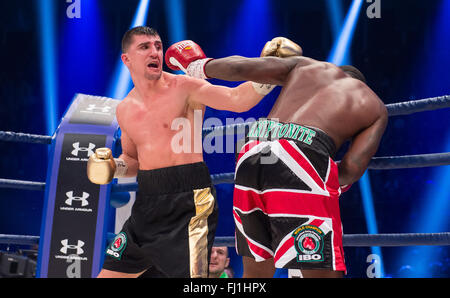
(125, 59)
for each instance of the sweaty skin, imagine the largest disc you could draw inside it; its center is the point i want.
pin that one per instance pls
(149, 113)
(321, 95)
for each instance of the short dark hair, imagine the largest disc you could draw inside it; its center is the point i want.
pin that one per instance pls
(353, 72)
(127, 38)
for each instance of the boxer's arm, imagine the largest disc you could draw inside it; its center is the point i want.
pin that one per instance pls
(238, 99)
(266, 70)
(363, 147)
(129, 155)
(102, 167)
(129, 152)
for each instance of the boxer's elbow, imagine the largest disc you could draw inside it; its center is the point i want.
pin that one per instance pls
(350, 171)
(243, 107)
(240, 106)
(242, 100)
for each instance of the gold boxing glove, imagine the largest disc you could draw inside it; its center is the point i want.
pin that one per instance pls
(102, 167)
(281, 47)
(278, 47)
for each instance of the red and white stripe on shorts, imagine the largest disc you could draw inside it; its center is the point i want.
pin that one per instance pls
(319, 204)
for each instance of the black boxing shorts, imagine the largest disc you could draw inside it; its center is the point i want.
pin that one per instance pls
(172, 224)
(286, 193)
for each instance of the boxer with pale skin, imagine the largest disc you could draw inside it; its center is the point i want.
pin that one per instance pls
(219, 261)
(176, 196)
(158, 98)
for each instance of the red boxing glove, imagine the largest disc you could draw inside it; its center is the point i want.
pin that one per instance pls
(187, 56)
(345, 188)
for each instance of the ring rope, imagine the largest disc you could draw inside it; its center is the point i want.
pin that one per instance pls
(9, 136)
(376, 163)
(19, 239)
(421, 105)
(383, 240)
(20, 184)
(379, 163)
(410, 161)
(350, 240)
(395, 109)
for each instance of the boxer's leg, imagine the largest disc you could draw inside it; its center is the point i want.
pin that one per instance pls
(253, 269)
(322, 274)
(114, 274)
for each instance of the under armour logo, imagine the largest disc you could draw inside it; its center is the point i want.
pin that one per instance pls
(83, 198)
(77, 148)
(94, 108)
(66, 246)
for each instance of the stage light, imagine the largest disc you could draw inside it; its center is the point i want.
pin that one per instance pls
(336, 15)
(175, 17)
(339, 55)
(434, 208)
(121, 83)
(334, 9)
(48, 58)
(176, 22)
(369, 213)
(254, 25)
(82, 44)
(342, 44)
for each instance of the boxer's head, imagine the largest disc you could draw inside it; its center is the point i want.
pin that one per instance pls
(142, 52)
(219, 260)
(353, 72)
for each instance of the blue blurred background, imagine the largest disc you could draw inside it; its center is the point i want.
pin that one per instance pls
(52, 49)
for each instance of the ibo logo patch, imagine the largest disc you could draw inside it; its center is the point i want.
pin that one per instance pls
(118, 245)
(308, 243)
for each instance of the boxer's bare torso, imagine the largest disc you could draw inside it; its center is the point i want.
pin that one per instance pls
(161, 118)
(149, 124)
(157, 116)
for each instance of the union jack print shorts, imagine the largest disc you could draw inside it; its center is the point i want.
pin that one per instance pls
(285, 203)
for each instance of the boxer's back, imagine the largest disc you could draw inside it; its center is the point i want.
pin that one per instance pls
(322, 96)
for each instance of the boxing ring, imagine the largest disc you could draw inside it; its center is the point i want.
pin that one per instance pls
(116, 195)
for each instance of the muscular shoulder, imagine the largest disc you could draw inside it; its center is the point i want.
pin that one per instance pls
(367, 100)
(191, 86)
(125, 106)
(189, 83)
(121, 109)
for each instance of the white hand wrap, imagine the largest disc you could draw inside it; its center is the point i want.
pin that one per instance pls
(263, 89)
(121, 168)
(196, 69)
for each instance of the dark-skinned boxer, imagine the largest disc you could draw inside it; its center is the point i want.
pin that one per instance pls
(287, 185)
